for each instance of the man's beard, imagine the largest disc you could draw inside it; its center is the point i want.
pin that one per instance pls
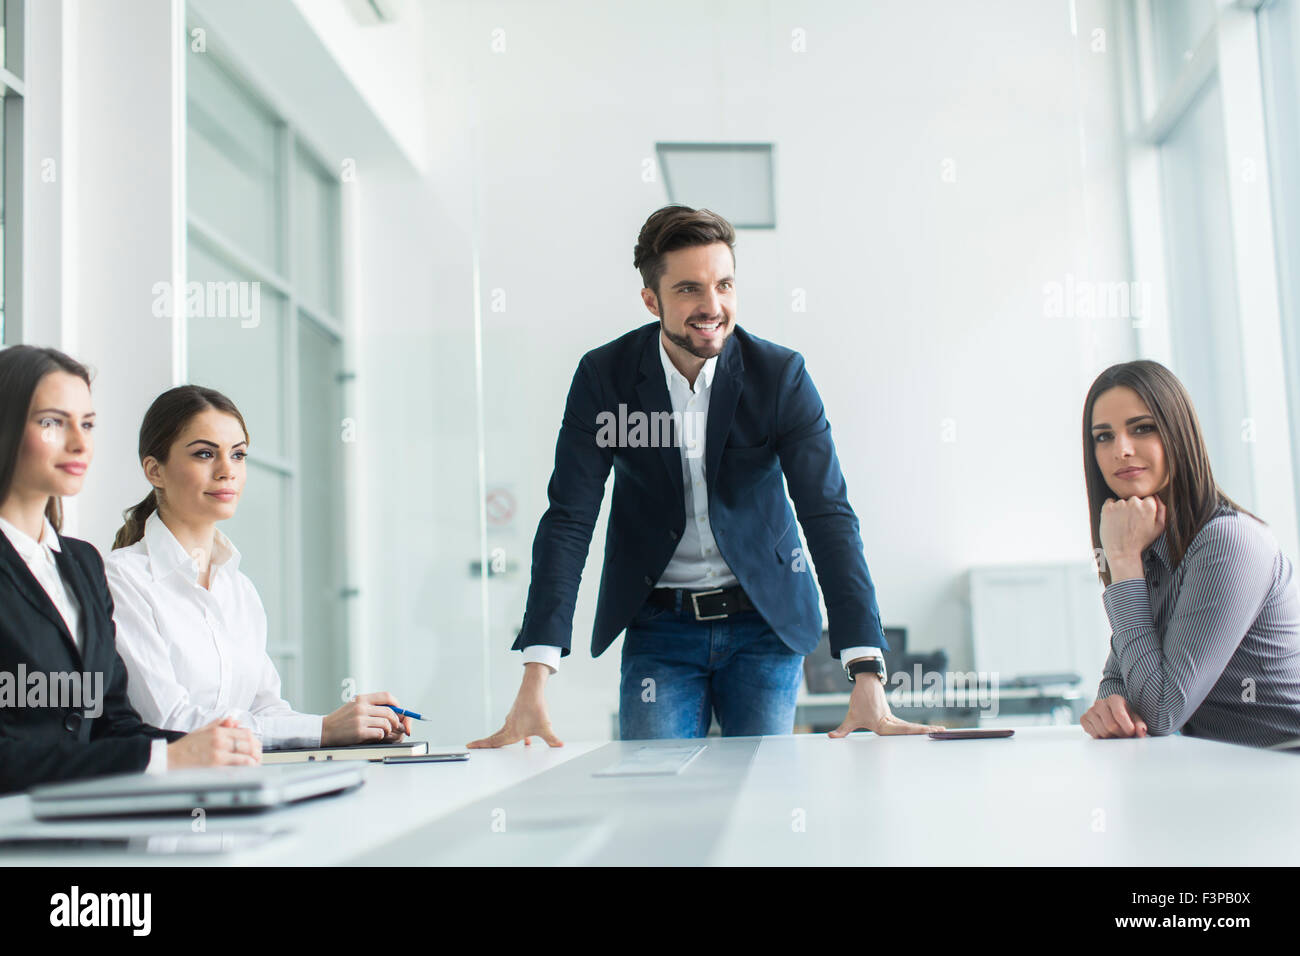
(684, 341)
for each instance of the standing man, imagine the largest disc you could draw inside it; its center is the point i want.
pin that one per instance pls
(703, 564)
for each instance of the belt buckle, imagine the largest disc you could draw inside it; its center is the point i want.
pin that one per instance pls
(695, 602)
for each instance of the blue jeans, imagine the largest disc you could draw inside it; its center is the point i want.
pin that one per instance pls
(677, 672)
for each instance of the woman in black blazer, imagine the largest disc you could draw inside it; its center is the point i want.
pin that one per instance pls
(64, 711)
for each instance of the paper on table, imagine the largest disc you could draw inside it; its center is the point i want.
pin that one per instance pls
(652, 762)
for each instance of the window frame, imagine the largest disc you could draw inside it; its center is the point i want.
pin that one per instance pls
(281, 282)
(12, 174)
(1229, 53)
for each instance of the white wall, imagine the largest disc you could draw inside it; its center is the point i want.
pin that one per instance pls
(925, 297)
(387, 64)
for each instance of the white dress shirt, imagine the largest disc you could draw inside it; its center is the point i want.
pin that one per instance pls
(38, 555)
(696, 564)
(197, 654)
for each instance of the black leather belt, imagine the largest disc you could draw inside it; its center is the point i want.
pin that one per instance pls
(707, 605)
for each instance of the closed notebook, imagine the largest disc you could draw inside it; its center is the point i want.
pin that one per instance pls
(350, 752)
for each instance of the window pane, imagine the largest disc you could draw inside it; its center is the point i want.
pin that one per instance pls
(236, 345)
(1178, 27)
(233, 162)
(257, 530)
(11, 37)
(1202, 286)
(316, 234)
(734, 181)
(320, 364)
(1280, 42)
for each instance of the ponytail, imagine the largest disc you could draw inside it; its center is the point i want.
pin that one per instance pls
(133, 530)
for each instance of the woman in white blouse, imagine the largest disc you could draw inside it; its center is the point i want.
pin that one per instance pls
(190, 626)
(56, 618)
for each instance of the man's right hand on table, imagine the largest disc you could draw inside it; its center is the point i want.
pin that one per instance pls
(527, 718)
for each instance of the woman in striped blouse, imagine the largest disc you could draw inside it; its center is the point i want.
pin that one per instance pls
(1203, 605)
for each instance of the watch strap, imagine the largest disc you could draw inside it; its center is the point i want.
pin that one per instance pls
(870, 665)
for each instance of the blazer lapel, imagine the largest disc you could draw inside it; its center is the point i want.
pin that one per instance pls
(723, 399)
(74, 578)
(25, 583)
(652, 390)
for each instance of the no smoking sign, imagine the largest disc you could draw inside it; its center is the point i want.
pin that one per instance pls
(500, 507)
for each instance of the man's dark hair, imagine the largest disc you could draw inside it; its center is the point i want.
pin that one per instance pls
(677, 227)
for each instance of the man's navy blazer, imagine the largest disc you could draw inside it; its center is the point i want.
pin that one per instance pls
(46, 743)
(765, 421)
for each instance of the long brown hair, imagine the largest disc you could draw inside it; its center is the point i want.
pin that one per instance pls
(163, 423)
(1191, 497)
(21, 369)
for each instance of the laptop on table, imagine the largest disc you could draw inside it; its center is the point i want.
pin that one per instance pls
(183, 791)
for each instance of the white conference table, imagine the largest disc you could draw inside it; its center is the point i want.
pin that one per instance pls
(1047, 796)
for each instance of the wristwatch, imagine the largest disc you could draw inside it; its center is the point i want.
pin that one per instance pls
(869, 665)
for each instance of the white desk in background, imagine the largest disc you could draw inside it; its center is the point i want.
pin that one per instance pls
(956, 707)
(1047, 796)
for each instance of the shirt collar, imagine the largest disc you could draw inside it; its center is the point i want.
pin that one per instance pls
(167, 555)
(28, 548)
(706, 373)
(224, 552)
(1160, 548)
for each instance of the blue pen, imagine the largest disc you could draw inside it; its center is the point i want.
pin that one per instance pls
(405, 713)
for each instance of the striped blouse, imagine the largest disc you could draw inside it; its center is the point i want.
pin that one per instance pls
(1211, 647)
